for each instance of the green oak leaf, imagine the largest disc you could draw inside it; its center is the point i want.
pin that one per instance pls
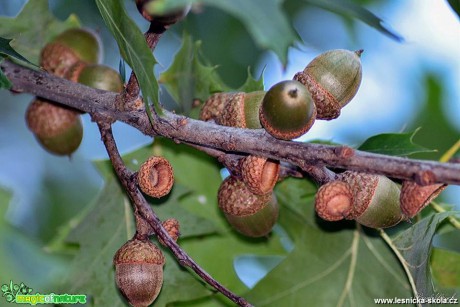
(4, 81)
(190, 76)
(30, 33)
(393, 144)
(455, 5)
(251, 84)
(264, 19)
(445, 265)
(353, 10)
(414, 245)
(133, 49)
(6, 49)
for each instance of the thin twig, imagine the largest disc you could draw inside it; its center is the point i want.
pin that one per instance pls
(145, 211)
(236, 140)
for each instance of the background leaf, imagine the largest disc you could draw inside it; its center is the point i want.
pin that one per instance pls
(133, 49)
(255, 15)
(34, 15)
(4, 82)
(6, 49)
(455, 5)
(415, 244)
(393, 144)
(350, 9)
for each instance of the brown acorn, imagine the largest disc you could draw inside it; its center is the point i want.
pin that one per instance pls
(68, 48)
(374, 199)
(250, 214)
(167, 19)
(259, 174)
(57, 128)
(415, 197)
(287, 110)
(156, 177)
(333, 79)
(139, 271)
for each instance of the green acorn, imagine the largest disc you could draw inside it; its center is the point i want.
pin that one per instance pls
(96, 76)
(333, 79)
(287, 110)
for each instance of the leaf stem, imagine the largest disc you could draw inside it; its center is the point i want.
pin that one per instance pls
(401, 259)
(438, 208)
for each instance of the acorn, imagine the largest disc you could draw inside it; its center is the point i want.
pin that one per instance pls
(287, 110)
(139, 271)
(250, 214)
(259, 174)
(155, 177)
(57, 128)
(68, 48)
(333, 79)
(167, 19)
(96, 76)
(374, 199)
(415, 197)
(242, 110)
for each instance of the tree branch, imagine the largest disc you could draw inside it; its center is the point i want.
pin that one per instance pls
(143, 209)
(256, 142)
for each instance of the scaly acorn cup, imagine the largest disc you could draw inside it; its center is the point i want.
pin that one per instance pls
(375, 199)
(415, 197)
(333, 79)
(172, 226)
(98, 76)
(155, 177)
(214, 106)
(287, 110)
(250, 214)
(68, 48)
(242, 110)
(167, 19)
(58, 129)
(259, 174)
(139, 271)
(334, 201)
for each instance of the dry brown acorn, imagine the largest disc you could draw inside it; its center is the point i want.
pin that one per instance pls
(250, 214)
(139, 271)
(333, 79)
(58, 129)
(415, 197)
(259, 174)
(374, 199)
(156, 177)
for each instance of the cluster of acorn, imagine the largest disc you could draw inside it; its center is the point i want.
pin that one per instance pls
(74, 55)
(286, 111)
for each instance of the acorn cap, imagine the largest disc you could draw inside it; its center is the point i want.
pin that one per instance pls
(57, 128)
(334, 201)
(333, 79)
(172, 226)
(376, 199)
(156, 177)
(415, 197)
(137, 251)
(214, 106)
(250, 214)
(259, 174)
(287, 110)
